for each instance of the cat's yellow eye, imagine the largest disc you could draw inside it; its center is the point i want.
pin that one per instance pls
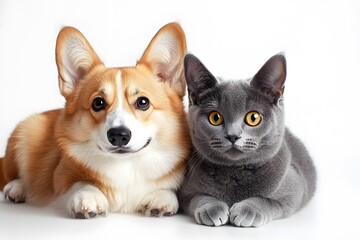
(216, 118)
(253, 118)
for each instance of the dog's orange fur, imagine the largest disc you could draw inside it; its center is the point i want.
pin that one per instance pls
(38, 150)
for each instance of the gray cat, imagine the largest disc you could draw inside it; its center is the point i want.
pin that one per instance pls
(246, 167)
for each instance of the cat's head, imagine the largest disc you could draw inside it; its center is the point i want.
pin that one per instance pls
(236, 122)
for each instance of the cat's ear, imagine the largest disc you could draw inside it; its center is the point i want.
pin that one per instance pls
(270, 79)
(198, 78)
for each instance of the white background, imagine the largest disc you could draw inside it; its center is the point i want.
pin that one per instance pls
(321, 40)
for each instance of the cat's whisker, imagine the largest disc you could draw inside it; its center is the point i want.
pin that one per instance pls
(197, 163)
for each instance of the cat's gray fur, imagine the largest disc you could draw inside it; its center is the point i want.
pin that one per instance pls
(244, 175)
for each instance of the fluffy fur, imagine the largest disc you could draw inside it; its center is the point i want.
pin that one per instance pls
(121, 142)
(246, 168)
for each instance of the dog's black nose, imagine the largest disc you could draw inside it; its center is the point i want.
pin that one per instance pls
(119, 136)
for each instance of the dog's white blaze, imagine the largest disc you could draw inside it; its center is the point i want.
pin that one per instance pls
(119, 87)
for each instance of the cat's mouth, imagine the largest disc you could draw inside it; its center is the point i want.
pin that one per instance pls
(244, 149)
(234, 150)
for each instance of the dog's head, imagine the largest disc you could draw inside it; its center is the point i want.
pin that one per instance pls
(123, 110)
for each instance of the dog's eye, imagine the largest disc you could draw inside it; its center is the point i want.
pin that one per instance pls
(98, 104)
(142, 103)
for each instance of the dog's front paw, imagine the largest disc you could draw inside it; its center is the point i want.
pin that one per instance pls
(212, 213)
(88, 202)
(15, 191)
(159, 203)
(248, 214)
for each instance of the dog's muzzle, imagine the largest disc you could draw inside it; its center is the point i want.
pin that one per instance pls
(119, 137)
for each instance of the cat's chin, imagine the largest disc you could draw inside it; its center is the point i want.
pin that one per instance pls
(236, 156)
(233, 156)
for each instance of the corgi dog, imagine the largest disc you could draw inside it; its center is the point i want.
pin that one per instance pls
(121, 142)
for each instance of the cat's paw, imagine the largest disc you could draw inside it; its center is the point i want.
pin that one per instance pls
(15, 191)
(88, 203)
(248, 214)
(212, 214)
(159, 203)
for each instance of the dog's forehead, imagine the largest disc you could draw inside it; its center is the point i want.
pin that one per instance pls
(123, 83)
(138, 78)
(121, 87)
(110, 83)
(103, 84)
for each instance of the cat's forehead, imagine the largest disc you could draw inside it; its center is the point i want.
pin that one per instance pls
(240, 91)
(226, 95)
(232, 96)
(234, 91)
(236, 97)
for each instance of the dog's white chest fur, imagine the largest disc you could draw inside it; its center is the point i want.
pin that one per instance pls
(131, 176)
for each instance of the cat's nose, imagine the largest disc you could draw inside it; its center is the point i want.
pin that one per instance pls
(232, 138)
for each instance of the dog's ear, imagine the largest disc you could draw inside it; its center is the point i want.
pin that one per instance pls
(164, 55)
(74, 58)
